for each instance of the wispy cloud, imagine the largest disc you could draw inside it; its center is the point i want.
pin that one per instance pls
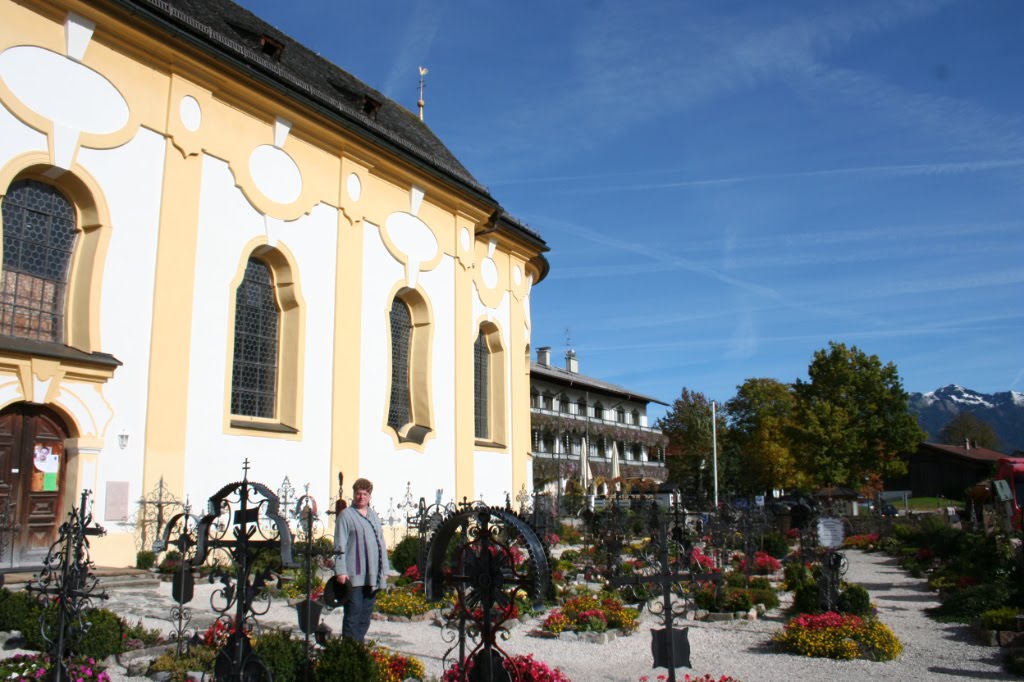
(894, 170)
(676, 57)
(421, 29)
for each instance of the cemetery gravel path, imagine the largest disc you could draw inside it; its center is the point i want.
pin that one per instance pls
(932, 651)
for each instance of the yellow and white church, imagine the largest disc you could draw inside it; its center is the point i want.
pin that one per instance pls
(217, 246)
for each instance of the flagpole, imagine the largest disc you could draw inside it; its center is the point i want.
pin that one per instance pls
(714, 449)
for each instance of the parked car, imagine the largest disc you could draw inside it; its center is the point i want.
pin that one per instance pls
(889, 510)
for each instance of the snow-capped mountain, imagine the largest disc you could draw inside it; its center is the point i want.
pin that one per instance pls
(1003, 410)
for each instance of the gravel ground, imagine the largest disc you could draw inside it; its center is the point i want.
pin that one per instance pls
(932, 651)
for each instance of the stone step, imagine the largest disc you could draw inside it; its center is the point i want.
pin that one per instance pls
(109, 579)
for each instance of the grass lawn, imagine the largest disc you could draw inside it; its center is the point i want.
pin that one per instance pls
(928, 503)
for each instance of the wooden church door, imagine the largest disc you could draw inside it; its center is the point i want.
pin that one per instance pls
(33, 466)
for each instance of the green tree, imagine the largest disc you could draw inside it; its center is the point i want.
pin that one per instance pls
(688, 454)
(851, 418)
(760, 416)
(966, 426)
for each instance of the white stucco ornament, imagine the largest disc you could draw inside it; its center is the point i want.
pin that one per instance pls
(354, 186)
(517, 275)
(488, 268)
(74, 97)
(191, 113)
(464, 238)
(413, 237)
(275, 174)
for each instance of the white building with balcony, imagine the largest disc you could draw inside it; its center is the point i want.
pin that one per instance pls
(590, 431)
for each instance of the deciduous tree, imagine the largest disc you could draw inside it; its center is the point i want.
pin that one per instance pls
(688, 454)
(851, 418)
(966, 426)
(760, 416)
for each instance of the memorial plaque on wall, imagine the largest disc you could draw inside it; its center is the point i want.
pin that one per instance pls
(831, 532)
(115, 506)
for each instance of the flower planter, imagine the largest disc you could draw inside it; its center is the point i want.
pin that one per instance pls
(391, 618)
(588, 637)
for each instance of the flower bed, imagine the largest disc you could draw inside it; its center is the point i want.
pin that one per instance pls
(31, 668)
(590, 613)
(394, 667)
(838, 636)
(404, 603)
(523, 668)
(866, 541)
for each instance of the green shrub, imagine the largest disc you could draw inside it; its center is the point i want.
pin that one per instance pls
(854, 599)
(405, 553)
(758, 582)
(775, 544)
(171, 562)
(103, 637)
(569, 555)
(797, 575)
(1002, 618)
(195, 659)
(345, 660)
(765, 596)
(145, 559)
(282, 655)
(736, 579)
(970, 602)
(15, 609)
(807, 599)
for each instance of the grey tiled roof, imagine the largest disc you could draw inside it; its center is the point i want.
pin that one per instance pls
(580, 380)
(233, 34)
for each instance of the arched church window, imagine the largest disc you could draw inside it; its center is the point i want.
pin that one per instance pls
(254, 370)
(39, 226)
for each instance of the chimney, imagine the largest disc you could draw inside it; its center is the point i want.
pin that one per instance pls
(571, 365)
(544, 356)
(967, 443)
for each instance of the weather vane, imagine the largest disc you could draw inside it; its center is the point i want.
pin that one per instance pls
(423, 72)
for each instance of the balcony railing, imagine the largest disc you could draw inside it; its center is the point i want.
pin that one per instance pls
(593, 420)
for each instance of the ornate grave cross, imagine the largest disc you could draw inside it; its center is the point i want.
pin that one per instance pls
(160, 500)
(251, 512)
(751, 526)
(286, 496)
(524, 498)
(667, 568)
(487, 574)
(309, 609)
(407, 503)
(183, 526)
(67, 582)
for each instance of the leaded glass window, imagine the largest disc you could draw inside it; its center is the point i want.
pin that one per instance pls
(254, 376)
(482, 386)
(39, 238)
(399, 409)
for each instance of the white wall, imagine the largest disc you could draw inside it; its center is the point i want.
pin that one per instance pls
(388, 466)
(227, 222)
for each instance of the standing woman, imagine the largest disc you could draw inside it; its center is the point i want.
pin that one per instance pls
(363, 562)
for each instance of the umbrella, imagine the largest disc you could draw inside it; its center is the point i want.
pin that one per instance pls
(615, 473)
(585, 475)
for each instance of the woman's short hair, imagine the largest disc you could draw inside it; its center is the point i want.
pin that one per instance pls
(362, 484)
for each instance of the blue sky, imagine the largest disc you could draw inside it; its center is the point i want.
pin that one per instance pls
(728, 186)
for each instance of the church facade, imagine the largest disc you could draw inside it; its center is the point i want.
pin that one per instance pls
(219, 247)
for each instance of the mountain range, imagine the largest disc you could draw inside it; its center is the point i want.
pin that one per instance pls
(1004, 411)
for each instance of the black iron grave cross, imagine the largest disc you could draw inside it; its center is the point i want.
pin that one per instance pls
(670, 646)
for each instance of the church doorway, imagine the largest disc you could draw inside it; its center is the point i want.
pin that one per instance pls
(33, 465)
